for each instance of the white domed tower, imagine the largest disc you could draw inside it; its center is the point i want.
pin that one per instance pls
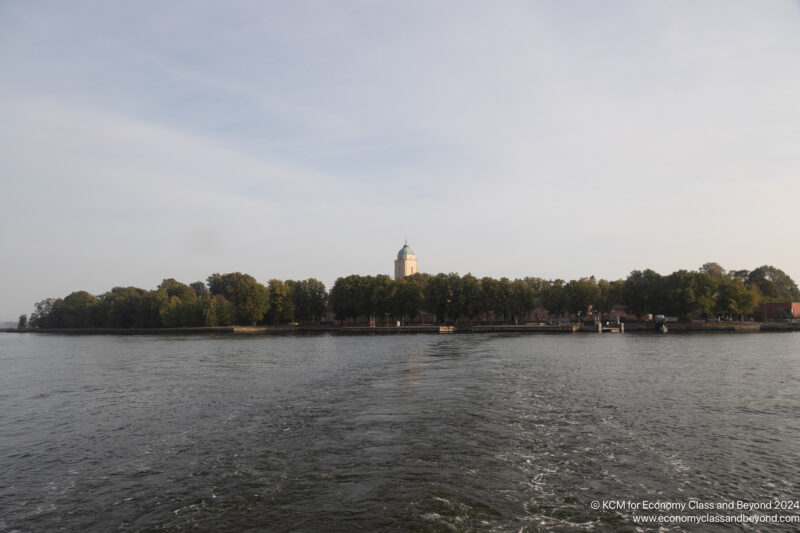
(406, 263)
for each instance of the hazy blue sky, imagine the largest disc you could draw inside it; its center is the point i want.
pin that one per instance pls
(147, 140)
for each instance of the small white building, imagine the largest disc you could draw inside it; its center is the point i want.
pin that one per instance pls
(406, 262)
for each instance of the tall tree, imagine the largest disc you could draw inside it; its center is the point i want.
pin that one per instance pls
(180, 305)
(346, 297)
(132, 307)
(439, 295)
(43, 314)
(380, 296)
(470, 296)
(408, 298)
(714, 270)
(281, 305)
(488, 297)
(581, 294)
(81, 310)
(249, 297)
(775, 285)
(680, 293)
(611, 294)
(537, 286)
(200, 288)
(317, 298)
(741, 275)
(217, 311)
(172, 288)
(643, 292)
(522, 300)
(503, 298)
(705, 293)
(554, 297)
(735, 299)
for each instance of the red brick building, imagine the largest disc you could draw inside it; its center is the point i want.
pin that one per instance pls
(780, 311)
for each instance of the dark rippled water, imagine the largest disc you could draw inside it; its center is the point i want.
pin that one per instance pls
(389, 433)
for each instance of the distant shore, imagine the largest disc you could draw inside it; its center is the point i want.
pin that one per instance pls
(630, 327)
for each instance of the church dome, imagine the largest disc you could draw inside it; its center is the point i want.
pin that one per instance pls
(404, 252)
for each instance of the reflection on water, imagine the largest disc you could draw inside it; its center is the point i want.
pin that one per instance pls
(417, 432)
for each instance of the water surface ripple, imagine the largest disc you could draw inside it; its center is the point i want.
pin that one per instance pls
(390, 433)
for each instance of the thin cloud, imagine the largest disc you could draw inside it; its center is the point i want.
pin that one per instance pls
(309, 139)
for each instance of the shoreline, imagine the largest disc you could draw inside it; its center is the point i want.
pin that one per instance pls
(630, 327)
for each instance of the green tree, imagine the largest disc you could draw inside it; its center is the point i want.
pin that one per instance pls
(43, 314)
(580, 294)
(217, 311)
(175, 288)
(249, 297)
(180, 305)
(81, 310)
(408, 298)
(299, 301)
(380, 296)
(554, 297)
(23, 322)
(176, 312)
(171, 312)
(741, 275)
(439, 295)
(200, 288)
(281, 303)
(714, 270)
(470, 296)
(537, 286)
(775, 285)
(318, 298)
(705, 293)
(310, 299)
(521, 300)
(502, 303)
(735, 299)
(210, 316)
(488, 297)
(132, 307)
(346, 297)
(680, 293)
(611, 293)
(644, 292)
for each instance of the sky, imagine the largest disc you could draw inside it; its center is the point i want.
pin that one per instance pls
(148, 140)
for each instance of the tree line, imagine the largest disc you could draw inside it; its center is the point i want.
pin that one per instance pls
(223, 300)
(709, 291)
(236, 298)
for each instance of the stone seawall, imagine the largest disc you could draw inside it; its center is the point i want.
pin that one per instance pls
(686, 327)
(630, 327)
